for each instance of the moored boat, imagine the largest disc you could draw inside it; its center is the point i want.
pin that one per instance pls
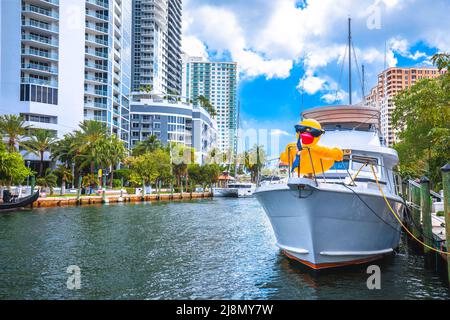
(243, 189)
(19, 203)
(339, 217)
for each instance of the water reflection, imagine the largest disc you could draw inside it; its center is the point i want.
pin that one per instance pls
(203, 249)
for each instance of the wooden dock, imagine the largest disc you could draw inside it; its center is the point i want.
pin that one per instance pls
(88, 200)
(433, 231)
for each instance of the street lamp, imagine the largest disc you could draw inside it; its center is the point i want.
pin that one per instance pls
(73, 174)
(28, 177)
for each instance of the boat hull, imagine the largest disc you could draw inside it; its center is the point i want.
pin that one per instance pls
(225, 192)
(20, 203)
(326, 229)
(245, 192)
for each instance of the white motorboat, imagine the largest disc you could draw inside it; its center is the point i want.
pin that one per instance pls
(243, 189)
(338, 217)
(235, 190)
(225, 192)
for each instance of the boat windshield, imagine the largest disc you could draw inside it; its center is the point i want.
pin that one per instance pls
(341, 165)
(239, 186)
(359, 166)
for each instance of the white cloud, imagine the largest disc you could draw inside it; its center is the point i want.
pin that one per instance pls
(311, 84)
(221, 31)
(336, 97)
(279, 132)
(266, 38)
(193, 47)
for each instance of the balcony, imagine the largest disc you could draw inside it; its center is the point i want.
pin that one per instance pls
(96, 28)
(98, 4)
(52, 2)
(96, 41)
(92, 78)
(40, 13)
(42, 82)
(38, 53)
(97, 16)
(39, 68)
(40, 26)
(96, 54)
(95, 118)
(95, 66)
(40, 40)
(96, 92)
(95, 105)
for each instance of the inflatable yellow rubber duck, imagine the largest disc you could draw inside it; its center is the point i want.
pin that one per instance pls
(298, 154)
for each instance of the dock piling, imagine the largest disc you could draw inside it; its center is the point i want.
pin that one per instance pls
(446, 186)
(80, 181)
(415, 197)
(33, 183)
(426, 212)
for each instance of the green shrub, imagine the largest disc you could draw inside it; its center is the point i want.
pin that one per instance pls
(122, 173)
(117, 183)
(131, 190)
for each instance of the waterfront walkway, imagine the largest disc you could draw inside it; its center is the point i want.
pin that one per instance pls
(85, 200)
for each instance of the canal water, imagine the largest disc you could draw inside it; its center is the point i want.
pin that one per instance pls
(204, 249)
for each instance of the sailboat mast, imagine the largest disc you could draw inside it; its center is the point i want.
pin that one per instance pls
(363, 82)
(237, 139)
(350, 60)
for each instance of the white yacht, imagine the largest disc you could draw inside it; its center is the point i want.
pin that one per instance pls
(235, 190)
(339, 217)
(243, 189)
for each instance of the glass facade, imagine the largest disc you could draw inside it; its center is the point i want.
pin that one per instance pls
(39, 51)
(157, 45)
(108, 64)
(217, 82)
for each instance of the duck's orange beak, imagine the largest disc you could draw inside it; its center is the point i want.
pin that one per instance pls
(307, 138)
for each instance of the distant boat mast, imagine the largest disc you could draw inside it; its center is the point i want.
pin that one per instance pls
(350, 61)
(237, 140)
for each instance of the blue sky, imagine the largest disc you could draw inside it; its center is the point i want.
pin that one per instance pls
(289, 49)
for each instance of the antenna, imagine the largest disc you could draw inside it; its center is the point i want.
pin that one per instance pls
(363, 83)
(350, 61)
(385, 53)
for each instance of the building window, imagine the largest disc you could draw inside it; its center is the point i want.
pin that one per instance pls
(39, 118)
(38, 94)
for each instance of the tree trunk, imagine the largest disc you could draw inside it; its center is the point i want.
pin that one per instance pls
(112, 178)
(41, 164)
(63, 187)
(92, 167)
(12, 145)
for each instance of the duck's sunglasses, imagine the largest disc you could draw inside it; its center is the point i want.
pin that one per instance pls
(314, 132)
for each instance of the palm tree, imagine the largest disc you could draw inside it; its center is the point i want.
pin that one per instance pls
(64, 149)
(148, 145)
(112, 152)
(14, 127)
(88, 141)
(65, 174)
(147, 89)
(204, 102)
(49, 180)
(40, 141)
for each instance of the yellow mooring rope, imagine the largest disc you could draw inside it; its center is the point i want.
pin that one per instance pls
(400, 221)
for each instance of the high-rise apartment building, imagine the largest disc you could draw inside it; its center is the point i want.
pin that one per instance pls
(390, 82)
(108, 41)
(172, 120)
(217, 82)
(157, 45)
(65, 61)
